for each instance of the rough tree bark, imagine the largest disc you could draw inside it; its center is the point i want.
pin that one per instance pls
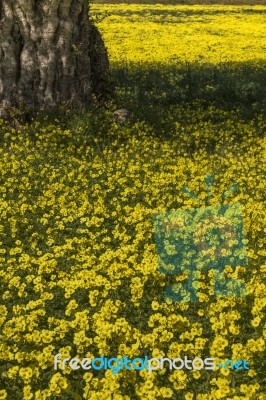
(50, 53)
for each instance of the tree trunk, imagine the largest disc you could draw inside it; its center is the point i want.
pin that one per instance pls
(50, 54)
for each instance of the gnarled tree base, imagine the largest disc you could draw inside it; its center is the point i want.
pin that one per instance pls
(50, 53)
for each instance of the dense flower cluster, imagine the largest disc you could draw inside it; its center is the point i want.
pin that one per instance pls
(79, 270)
(171, 33)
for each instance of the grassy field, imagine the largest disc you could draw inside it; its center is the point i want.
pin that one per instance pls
(167, 55)
(79, 266)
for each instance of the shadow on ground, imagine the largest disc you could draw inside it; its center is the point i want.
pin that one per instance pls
(147, 89)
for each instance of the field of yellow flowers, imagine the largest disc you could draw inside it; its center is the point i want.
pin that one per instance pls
(79, 268)
(162, 34)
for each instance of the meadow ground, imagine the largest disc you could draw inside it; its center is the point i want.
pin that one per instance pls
(79, 268)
